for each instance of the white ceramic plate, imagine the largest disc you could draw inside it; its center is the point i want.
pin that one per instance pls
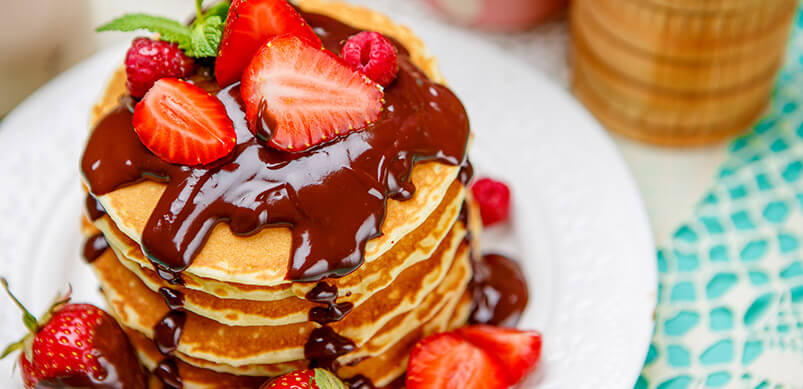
(580, 229)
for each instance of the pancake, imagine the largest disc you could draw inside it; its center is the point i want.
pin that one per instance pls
(263, 257)
(236, 312)
(381, 373)
(445, 298)
(139, 308)
(355, 287)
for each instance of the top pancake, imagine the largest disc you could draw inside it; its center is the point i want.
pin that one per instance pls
(263, 258)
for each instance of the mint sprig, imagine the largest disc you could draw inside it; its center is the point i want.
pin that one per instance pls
(200, 39)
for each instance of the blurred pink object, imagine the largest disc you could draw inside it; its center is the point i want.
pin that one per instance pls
(500, 15)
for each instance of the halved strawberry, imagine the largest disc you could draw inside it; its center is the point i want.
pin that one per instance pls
(183, 124)
(449, 361)
(518, 351)
(298, 95)
(250, 24)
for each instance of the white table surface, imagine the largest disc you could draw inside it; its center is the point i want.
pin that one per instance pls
(671, 180)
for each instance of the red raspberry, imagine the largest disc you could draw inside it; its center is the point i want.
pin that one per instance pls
(373, 55)
(148, 60)
(493, 198)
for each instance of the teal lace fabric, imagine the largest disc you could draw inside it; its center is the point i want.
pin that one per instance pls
(730, 305)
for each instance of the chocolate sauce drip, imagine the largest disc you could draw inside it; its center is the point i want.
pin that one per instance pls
(166, 335)
(324, 346)
(94, 247)
(332, 196)
(172, 277)
(499, 291)
(168, 331)
(466, 172)
(463, 218)
(324, 293)
(173, 298)
(119, 366)
(359, 382)
(93, 208)
(167, 372)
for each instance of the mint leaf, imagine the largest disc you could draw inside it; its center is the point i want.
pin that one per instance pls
(169, 30)
(205, 37)
(199, 40)
(327, 380)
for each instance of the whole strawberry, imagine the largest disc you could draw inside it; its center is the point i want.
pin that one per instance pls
(148, 61)
(75, 346)
(306, 379)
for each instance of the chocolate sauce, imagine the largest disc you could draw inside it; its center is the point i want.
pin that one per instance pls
(467, 239)
(168, 331)
(93, 208)
(94, 247)
(119, 366)
(499, 291)
(324, 346)
(327, 294)
(466, 172)
(359, 382)
(332, 196)
(172, 277)
(167, 372)
(166, 335)
(173, 298)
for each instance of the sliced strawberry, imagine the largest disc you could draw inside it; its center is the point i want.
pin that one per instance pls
(449, 361)
(518, 351)
(299, 95)
(183, 124)
(250, 24)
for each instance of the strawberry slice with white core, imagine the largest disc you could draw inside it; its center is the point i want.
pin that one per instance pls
(183, 124)
(250, 23)
(450, 361)
(518, 351)
(298, 95)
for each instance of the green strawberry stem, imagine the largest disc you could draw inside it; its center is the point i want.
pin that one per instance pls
(30, 320)
(31, 323)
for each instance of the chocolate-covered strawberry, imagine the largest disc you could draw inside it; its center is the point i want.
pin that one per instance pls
(75, 346)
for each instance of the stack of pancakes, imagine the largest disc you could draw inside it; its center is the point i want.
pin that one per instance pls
(244, 321)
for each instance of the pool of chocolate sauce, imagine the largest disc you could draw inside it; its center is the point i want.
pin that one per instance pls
(499, 291)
